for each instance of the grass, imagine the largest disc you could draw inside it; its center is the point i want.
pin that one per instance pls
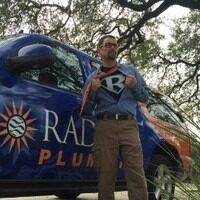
(190, 190)
(186, 192)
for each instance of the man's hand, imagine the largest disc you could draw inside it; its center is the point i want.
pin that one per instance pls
(96, 84)
(130, 81)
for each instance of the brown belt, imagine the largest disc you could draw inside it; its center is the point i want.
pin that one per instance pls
(112, 116)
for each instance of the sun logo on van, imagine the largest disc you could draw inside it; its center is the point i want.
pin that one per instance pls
(16, 127)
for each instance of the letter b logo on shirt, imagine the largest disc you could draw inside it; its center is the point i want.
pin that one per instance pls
(114, 83)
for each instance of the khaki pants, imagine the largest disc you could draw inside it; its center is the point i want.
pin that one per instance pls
(113, 138)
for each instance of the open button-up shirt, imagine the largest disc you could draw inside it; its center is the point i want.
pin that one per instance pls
(101, 101)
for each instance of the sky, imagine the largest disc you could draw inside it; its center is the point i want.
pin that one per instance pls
(169, 15)
(175, 11)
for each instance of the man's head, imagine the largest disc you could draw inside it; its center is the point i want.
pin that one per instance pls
(107, 48)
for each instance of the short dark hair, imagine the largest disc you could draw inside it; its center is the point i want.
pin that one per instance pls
(101, 40)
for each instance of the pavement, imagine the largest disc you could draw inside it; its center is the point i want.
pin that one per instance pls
(179, 194)
(86, 196)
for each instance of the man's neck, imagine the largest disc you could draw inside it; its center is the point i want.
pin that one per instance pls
(109, 64)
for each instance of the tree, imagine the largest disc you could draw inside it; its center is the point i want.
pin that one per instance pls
(134, 22)
(126, 17)
(182, 58)
(177, 69)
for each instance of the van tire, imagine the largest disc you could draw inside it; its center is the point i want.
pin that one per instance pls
(67, 196)
(160, 174)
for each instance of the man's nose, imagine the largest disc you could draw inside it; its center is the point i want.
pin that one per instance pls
(113, 46)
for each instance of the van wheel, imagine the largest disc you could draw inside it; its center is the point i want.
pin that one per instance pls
(160, 178)
(69, 196)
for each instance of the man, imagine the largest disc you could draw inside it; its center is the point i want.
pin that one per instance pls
(112, 93)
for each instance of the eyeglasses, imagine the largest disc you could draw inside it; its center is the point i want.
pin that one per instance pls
(109, 45)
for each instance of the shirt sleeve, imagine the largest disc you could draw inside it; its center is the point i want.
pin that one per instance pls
(140, 90)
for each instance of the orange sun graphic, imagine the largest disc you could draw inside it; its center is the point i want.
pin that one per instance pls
(16, 127)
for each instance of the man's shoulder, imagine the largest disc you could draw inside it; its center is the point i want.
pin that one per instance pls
(127, 67)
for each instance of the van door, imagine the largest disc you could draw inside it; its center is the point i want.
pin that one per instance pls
(42, 134)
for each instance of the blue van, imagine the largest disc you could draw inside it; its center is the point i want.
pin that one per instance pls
(45, 145)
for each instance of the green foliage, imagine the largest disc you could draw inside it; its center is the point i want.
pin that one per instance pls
(182, 62)
(190, 189)
(82, 23)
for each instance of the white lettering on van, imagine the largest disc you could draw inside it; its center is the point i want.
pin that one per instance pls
(72, 131)
(50, 126)
(51, 122)
(84, 121)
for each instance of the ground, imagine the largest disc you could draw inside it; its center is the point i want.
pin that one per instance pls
(179, 195)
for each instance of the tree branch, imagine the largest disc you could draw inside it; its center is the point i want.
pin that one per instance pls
(191, 77)
(135, 30)
(138, 7)
(192, 4)
(144, 5)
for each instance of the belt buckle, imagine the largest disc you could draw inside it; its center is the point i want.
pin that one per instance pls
(116, 116)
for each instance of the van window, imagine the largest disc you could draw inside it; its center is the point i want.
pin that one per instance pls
(160, 109)
(67, 69)
(66, 73)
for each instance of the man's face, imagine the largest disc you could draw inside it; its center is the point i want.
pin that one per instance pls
(109, 49)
